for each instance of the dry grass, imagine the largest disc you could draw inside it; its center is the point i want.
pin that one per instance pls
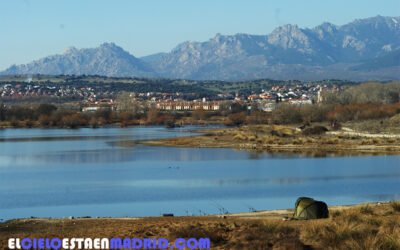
(391, 125)
(285, 139)
(395, 205)
(366, 210)
(361, 227)
(365, 227)
(240, 137)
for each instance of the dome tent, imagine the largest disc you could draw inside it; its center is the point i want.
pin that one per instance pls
(307, 208)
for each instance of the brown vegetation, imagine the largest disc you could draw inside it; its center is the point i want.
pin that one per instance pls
(312, 141)
(359, 103)
(370, 226)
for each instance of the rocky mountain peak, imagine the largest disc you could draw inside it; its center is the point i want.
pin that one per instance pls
(110, 45)
(112, 48)
(326, 30)
(327, 27)
(289, 36)
(288, 52)
(71, 50)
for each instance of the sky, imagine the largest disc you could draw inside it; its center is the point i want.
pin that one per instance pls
(32, 29)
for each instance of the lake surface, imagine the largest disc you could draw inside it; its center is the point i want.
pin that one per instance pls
(84, 172)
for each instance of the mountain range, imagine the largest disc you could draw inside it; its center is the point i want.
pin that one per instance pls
(364, 49)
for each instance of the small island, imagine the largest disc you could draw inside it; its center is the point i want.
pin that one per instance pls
(310, 140)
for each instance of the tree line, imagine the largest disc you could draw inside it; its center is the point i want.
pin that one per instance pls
(356, 103)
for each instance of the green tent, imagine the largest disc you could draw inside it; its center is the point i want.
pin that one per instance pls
(307, 208)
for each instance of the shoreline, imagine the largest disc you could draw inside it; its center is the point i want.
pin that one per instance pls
(366, 224)
(272, 214)
(331, 143)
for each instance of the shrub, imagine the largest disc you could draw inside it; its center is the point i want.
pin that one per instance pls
(395, 205)
(199, 114)
(316, 130)
(315, 113)
(46, 109)
(287, 114)
(356, 111)
(152, 116)
(74, 120)
(395, 120)
(366, 210)
(168, 120)
(282, 131)
(3, 112)
(15, 123)
(257, 117)
(44, 120)
(236, 119)
(29, 123)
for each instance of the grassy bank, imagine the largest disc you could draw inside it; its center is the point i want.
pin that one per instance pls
(289, 139)
(367, 226)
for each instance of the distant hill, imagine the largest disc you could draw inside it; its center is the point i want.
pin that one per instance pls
(361, 50)
(107, 60)
(391, 59)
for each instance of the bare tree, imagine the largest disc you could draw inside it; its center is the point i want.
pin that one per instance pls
(127, 103)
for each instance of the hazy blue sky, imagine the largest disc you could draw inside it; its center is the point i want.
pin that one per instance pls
(33, 29)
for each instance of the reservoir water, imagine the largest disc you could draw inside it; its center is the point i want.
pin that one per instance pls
(87, 172)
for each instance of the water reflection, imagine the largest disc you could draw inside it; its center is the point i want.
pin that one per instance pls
(85, 172)
(60, 138)
(117, 154)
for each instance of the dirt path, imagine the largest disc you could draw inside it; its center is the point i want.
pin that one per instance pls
(350, 132)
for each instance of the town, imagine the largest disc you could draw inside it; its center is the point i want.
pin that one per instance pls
(94, 96)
